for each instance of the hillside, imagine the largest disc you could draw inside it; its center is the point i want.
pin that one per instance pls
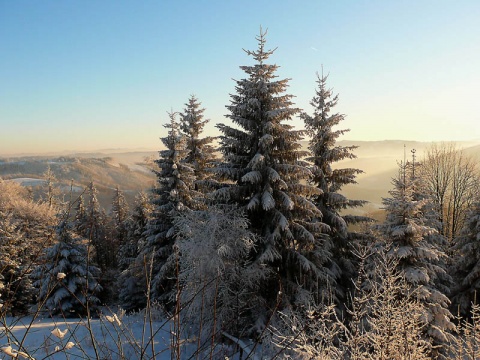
(378, 160)
(130, 170)
(74, 173)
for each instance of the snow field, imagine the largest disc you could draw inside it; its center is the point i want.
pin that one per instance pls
(114, 338)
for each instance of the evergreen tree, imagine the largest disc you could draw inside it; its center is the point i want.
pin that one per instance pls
(119, 218)
(27, 228)
(467, 262)
(17, 290)
(324, 153)
(66, 280)
(268, 179)
(80, 220)
(172, 195)
(50, 191)
(405, 230)
(200, 152)
(94, 229)
(132, 282)
(135, 227)
(431, 214)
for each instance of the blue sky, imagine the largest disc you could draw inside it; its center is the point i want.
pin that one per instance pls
(84, 75)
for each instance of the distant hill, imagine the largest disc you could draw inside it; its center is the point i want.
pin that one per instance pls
(107, 173)
(378, 160)
(130, 170)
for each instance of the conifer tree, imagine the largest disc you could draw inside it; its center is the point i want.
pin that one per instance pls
(93, 228)
(66, 280)
(26, 229)
(119, 218)
(135, 227)
(406, 231)
(132, 281)
(173, 194)
(324, 153)
(263, 165)
(80, 219)
(51, 192)
(200, 152)
(430, 211)
(467, 262)
(17, 290)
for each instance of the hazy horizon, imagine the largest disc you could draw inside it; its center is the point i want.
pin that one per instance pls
(106, 151)
(80, 76)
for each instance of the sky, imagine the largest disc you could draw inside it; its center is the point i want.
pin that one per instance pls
(88, 75)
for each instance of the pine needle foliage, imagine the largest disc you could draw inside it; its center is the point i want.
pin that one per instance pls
(200, 152)
(324, 153)
(66, 279)
(16, 288)
(267, 178)
(173, 194)
(406, 232)
(467, 262)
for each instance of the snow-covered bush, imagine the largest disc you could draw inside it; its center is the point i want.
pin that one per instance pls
(218, 288)
(385, 321)
(467, 342)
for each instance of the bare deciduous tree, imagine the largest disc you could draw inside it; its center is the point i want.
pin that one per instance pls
(452, 179)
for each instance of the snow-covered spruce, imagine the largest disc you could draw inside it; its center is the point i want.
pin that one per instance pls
(15, 285)
(90, 223)
(467, 262)
(265, 175)
(119, 226)
(173, 194)
(131, 282)
(26, 228)
(200, 152)
(336, 248)
(67, 295)
(406, 233)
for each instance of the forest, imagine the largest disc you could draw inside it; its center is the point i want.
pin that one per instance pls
(248, 238)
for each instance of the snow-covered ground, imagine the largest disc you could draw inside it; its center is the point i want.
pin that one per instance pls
(68, 188)
(28, 181)
(140, 168)
(109, 337)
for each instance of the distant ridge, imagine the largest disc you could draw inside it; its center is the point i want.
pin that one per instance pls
(378, 144)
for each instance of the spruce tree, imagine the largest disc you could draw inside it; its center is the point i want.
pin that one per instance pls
(406, 231)
(50, 191)
(200, 152)
(119, 222)
(135, 227)
(266, 177)
(172, 195)
(66, 279)
(466, 262)
(132, 282)
(325, 152)
(17, 291)
(431, 214)
(80, 219)
(94, 228)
